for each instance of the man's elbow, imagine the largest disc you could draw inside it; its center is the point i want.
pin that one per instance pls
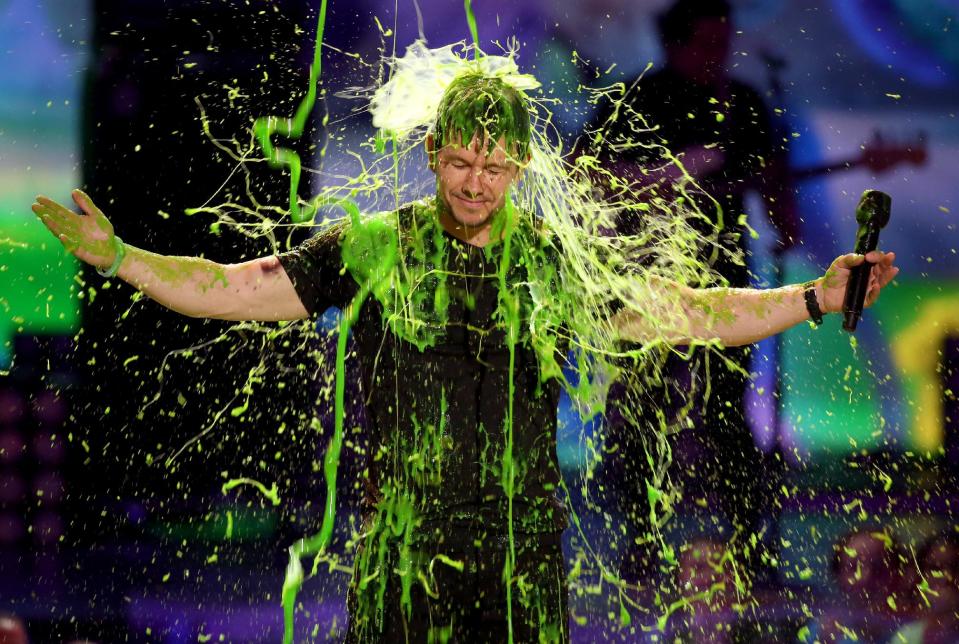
(237, 294)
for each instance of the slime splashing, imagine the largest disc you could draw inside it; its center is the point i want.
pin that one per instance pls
(564, 279)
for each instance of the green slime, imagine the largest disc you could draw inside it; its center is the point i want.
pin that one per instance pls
(572, 303)
(265, 127)
(370, 254)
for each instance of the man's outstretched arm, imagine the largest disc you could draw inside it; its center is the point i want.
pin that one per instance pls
(255, 290)
(743, 316)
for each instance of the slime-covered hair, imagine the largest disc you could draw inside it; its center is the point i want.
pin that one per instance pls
(485, 107)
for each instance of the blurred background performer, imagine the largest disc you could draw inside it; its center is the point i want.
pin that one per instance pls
(721, 131)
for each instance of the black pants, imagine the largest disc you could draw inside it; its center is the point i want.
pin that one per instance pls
(449, 604)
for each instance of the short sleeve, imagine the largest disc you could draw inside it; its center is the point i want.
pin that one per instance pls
(316, 269)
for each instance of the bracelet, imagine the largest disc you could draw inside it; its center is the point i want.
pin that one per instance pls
(121, 252)
(812, 304)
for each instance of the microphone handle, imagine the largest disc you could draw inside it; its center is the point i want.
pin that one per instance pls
(858, 282)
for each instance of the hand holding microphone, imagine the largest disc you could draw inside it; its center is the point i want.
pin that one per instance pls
(872, 215)
(854, 281)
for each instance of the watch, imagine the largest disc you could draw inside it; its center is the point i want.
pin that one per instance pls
(812, 303)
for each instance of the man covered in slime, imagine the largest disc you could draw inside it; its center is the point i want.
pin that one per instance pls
(463, 538)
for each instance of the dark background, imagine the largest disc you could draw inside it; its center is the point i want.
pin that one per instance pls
(100, 538)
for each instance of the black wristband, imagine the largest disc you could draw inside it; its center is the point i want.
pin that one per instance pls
(812, 304)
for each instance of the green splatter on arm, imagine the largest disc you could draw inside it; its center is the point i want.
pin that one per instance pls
(744, 316)
(731, 316)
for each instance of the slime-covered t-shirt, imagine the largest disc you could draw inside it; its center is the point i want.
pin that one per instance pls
(435, 375)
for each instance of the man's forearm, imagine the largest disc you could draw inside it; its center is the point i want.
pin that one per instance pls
(744, 316)
(189, 285)
(255, 290)
(679, 314)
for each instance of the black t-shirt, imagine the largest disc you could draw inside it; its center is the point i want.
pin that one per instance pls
(438, 416)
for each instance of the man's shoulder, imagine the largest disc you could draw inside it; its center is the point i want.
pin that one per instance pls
(333, 231)
(321, 245)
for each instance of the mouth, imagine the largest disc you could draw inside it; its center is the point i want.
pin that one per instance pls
(472, 203)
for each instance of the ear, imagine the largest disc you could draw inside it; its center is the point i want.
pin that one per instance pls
(430, 144)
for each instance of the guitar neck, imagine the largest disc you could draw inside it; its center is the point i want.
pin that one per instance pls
(801, 174)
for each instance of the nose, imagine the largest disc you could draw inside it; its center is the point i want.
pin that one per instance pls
(473, 186)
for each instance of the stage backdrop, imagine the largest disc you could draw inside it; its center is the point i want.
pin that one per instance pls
(891, 68)
(43, 49)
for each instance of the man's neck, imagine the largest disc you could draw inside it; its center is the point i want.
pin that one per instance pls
(478, 236)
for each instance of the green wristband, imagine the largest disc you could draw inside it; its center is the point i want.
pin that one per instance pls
(121, 252)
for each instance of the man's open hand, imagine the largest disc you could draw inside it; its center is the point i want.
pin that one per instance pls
(832, 286)
(89, 236)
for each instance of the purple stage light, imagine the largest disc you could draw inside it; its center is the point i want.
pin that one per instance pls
(49, 409)
(47, 528)
(12, 488)
(48, 448)
(48, 486)
(12, 407)
(11, 527)
(12, 446)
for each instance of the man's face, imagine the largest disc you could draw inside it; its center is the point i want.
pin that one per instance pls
(472, 184)
(703, 56)
(710, 41)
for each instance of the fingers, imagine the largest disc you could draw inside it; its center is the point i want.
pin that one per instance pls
(883, 272)
(69, 243)
(873, 257)
(879, 257)
(84, 202)
(51, 220)
(872, 291)
(885, 275)
(53, 205)
(849, 260)
(66, 225)
(51, 208)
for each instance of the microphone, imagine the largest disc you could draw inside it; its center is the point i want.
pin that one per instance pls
(872, 214)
